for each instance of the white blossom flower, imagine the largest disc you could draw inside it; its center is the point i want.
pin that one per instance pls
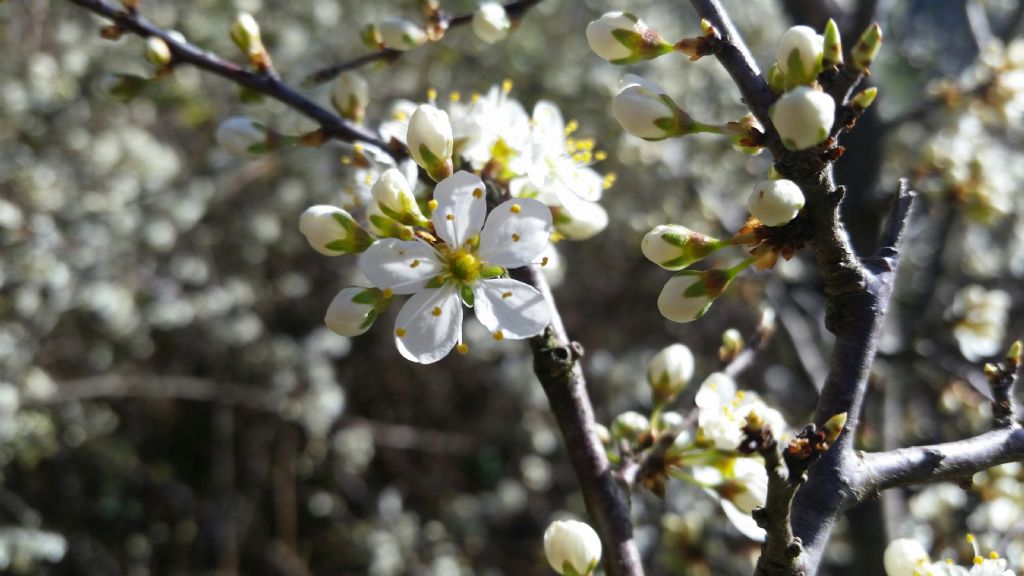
(239, 134)
(430, 141)
(800, 54)
(465, 265)
(572, 543)
(621, 38)
(492, 129)
(350, 95)
(491, 23)
(803, 117)
(904, 557)
(722, 412)
(630, 425)
(748, 484)
(981, 325)
(775, 202)
(401, 34)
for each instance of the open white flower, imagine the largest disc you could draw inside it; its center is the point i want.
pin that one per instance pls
(491, 128)
(465, 265)
(491, 22)
(722, 412)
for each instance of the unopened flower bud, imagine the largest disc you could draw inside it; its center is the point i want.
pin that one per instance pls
(775, 202)
(799, 54)
(867, 48)
(732, 344)
(669, 372)
(622, 38)
(491, 22)
(644, 110)
(832, 50)
(688, 295)
(430, 141)
(863, 99)
(382, 226)
(332, 231)
(603, 435)
(158, 53)
(401, 34)
(245, 32)
(674, 247)
(1015, 354)
(354, 310)
(670, 420)
(803, 117)
(350, 95)
(572, 545)
(834, 427)
(903, 557)
(241, 136)
(395, 199)
(630, 426)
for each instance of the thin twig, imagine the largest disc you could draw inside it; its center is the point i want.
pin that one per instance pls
(514, 9)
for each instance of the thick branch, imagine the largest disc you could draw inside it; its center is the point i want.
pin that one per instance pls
(183, 52)
(514, 9)
(556, 363)
(951, 461)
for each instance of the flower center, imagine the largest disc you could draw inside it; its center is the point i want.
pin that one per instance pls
(465, 267)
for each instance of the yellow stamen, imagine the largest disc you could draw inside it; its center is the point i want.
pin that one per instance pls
(506, 295)
(600, 155)
(387, 293)
(516, 208)
(432, 205)
(544, 261)
(346, 160)
(506, 86)
(431, 94)
(478, 193)
(450, 217)
(400, 332)
(414, 264)
(357, 148)
(571, 127)
(515, 237)
(455, 96)
(499, 336)
(462, 349)
(436, 311)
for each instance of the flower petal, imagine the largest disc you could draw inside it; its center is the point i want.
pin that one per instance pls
(510, 309)
(743, 522)
(404, 266)
(429, 324)
(515, 234)
(461, 208)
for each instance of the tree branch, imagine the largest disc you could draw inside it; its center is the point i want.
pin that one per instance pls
(556, 363)
(515, 10)
(951, 461)
(331, 124)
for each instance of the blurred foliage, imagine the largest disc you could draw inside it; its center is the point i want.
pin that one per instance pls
(174, 404)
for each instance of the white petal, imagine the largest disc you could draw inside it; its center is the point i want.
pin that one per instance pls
(404, 266)
(510, 307)
(515, 234)
(461, 208)
(429, 324)
(743, 522)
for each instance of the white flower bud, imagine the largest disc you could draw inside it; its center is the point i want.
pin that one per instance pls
(775, 202)
(401, 34)
(748, 485)
(630, 425)
(245, 32)
(621, 38)
(683, 298)
(430, 141)
(332, 231)
(669, 372)
(800, 53)
(239, 134)
(675, 247)
(158, 53)
(586, 220)
(350, 95)
(491, 23)
(644, 110)
(395, 199)
(572, 543)
(903, 557)
(803, 117)
(352, 312)
(670, 420)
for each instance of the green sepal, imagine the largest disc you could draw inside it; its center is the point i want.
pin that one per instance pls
(342, 245)
(429, 158)
(371, 317)
(696, 290)
(249, 96)
(259, 148)
(776, 79)
(436, 282)
(641, 47)
(795, 72)
(369, 296)
(466, 293)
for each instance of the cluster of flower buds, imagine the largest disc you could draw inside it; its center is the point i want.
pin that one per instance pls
(490, 23)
